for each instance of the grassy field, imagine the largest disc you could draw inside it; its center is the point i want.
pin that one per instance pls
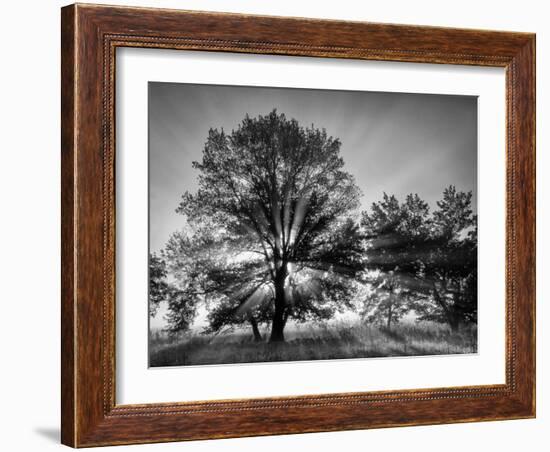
(334, 341)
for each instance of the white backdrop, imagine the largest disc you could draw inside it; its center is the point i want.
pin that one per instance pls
(30, 228)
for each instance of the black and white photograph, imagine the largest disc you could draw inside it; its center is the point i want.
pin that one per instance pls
(290, 224)
(275, 226)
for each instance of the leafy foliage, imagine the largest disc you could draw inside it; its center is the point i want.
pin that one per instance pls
(429, 259)
(452, 265)
(158, 287)
(388, 300)
(280, 239)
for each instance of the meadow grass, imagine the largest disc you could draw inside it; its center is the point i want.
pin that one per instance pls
(338, 340)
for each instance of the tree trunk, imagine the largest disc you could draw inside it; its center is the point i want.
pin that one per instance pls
(452, 319)
(257, 335)
(454, 323)
(278, 322)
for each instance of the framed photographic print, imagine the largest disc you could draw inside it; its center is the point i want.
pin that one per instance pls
(280, 225)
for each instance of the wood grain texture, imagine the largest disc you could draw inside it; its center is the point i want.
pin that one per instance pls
(68, 244)
(90, 36)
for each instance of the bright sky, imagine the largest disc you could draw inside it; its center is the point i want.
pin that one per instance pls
(393, 142)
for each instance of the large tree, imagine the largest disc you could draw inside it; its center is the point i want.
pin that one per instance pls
(281, 205)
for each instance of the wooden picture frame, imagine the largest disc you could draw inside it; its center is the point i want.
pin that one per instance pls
(90, 35)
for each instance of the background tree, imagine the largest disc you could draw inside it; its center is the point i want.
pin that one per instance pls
(181, 312)
(388, 301)
(451, 266)
(431, 260)
(281, 205)
(398, 236)
(158, 286)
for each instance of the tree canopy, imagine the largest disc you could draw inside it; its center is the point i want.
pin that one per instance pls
(281, 205)
(431, 260)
